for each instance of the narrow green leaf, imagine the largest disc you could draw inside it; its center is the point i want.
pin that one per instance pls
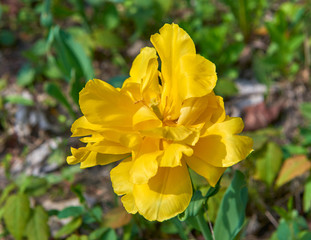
(71, 55)
(77, 237)
(26, 75)
(73, 225)
(305, 109)
(37, 227)
(231, 212)
(73, 211)
(194, 207)
(16, 214)
(307, 196)
(55, 91)
(17, 99)
(6, 191)
(32, 185)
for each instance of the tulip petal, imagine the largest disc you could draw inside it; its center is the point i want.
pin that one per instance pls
(220, 146)
(211, 173)
(179, 134)
(120, 177)
(82, 127)
(167, 194)
(201, 110)
(104, 105)
(144, 118)
(198, 76)
(122, 186)
(172, 43)
(173, 153)
(89, 158)
(145, 161)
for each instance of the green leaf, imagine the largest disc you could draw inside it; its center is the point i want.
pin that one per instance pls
(97, 233)
(37, 227)
(17, 99)
(77, 237)
(26, 75)
(226, 88)
(16, 214)
(32, 185)
(268, 163)
(70, 227)
(197, 202)
(78, 190)
(71, 55)
(194, 207)
(107, 39)
(231, 212)
(110, 235)
(6, 191)
(7, 38)
(55, 91)
(305, 109)
(73, 211)
(307, 196)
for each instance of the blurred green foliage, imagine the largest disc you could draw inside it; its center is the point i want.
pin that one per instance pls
(64, 43)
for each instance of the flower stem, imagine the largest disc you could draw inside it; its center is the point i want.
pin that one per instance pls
(204, 226)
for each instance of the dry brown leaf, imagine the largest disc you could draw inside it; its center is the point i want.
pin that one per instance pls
(117, 217)
(293, 167)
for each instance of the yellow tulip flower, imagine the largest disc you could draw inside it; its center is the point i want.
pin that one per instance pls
(159, 124)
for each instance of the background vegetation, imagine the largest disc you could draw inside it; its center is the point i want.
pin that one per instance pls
(49, 49)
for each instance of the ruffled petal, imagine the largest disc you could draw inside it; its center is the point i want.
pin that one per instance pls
(89, 158)
(145, 161)
(165, 195)
(198, 76)
(211, 173)
(172, 43)
(173, 153)
(145, 72)
(144, 118)
(209, 108)
(129, 204)
(120, 177)
(220, 146)
(104, 105)
(108, 147)
(82, 127)
(179, 134)
(122, 186)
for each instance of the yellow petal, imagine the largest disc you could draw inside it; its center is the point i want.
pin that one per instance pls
(208, 171)
(144, 167)
(145, 163)
(165, 195)
(82, 127)
(172, 43)
(94, 159)
(132, 89)
(231, 125)
(108, 147)
(144, 118)
(88, 158)
(198, 76)
(104, 105)
(220, 146)
(129, 204)
(180, 134)
(173, 153)
(200, 110)
(120, 177)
